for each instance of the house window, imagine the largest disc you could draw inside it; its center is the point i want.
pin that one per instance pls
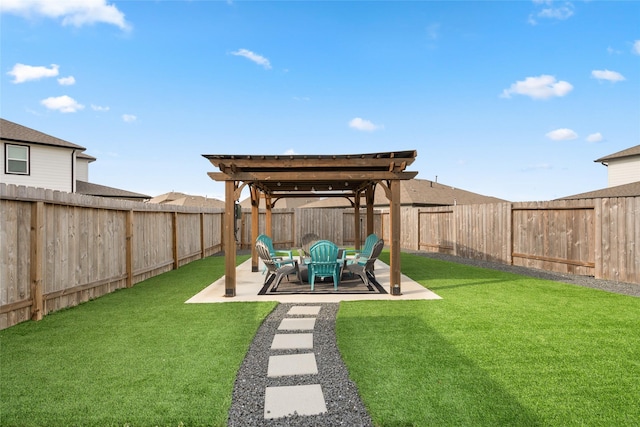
(17, 159)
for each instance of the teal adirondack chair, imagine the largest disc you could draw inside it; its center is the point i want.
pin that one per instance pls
(363, 266)
(368, 246)
(280, 257)
(324, 262)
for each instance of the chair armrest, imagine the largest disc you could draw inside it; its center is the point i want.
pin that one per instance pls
(285, 252)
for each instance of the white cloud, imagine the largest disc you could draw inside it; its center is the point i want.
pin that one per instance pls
(99, 108)
(258, 59)
(541, 87)
(67, 81)
(364, 125)
(562, 135)
(612, 76)
(549, 10)
(129, 118)
(290, 152)
(72, 12)
(595, 137)
(636, 47)
(23, 73)
(64, 104)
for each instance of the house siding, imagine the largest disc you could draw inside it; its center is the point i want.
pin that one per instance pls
(82, 170)
(623, 171)
(50, 168)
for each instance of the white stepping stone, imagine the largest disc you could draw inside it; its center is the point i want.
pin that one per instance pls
(301, 399)
(292, 341)
(297, 324)
(304, 310)
(292, 364)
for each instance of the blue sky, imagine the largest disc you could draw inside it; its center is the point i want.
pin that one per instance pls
(512, 99)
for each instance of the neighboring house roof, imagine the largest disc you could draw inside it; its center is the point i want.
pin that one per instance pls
(197, 201)
(418, 192)
(11, 131)
(626, 190)
(629, 152)
(86, 157)
(167, 197)
(182, 199)
(90, 189)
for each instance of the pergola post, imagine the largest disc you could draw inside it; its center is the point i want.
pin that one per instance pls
(230, 239)
(268, 218)
(394, 213)
(369, 195)
(356, 220)
(255, 226)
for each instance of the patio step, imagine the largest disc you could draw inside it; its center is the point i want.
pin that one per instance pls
(293, 374)
(304, 399)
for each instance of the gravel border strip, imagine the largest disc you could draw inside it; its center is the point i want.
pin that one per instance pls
(344, 406)
(630, 289)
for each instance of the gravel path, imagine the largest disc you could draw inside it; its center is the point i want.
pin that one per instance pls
(630, 289)
(344, 407)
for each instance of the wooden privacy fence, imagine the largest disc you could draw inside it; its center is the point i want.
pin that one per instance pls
(591, 237)
(61, 249)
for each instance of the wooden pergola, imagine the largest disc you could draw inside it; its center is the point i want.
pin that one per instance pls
(275, 177)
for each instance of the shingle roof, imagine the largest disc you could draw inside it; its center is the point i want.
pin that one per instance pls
(419, 192)
(625, 190)
(629, 152)
(197, 201)
(83, 187)
(86, 157)
(11, 131)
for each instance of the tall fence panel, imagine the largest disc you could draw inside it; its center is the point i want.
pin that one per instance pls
(61, 249)
(556, 236)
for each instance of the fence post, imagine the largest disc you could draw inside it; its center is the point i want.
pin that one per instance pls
(129, 249)
(37, 259)
(174, 223)
(202, 235)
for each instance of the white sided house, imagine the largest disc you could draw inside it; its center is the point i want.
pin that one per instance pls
(623, 167)
(35, 159)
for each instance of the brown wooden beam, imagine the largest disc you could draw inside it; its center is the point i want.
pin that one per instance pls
(299, 176)
(255, 226)
(394, 213)
(229, 240)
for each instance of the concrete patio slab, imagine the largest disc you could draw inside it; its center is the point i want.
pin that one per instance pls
(304, 310)
(292, 342)
(301, 399)
(249, 283)
(297, 324)
(292, 364)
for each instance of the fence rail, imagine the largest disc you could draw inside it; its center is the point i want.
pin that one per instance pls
(61, 249)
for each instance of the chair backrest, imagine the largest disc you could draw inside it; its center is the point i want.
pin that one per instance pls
(376, 250)
(268, 242)
(324, 257)
(307, 241)
(265, 256)
(368, 244)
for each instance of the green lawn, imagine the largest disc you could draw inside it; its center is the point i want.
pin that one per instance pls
(498, 349)
(138, 357)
